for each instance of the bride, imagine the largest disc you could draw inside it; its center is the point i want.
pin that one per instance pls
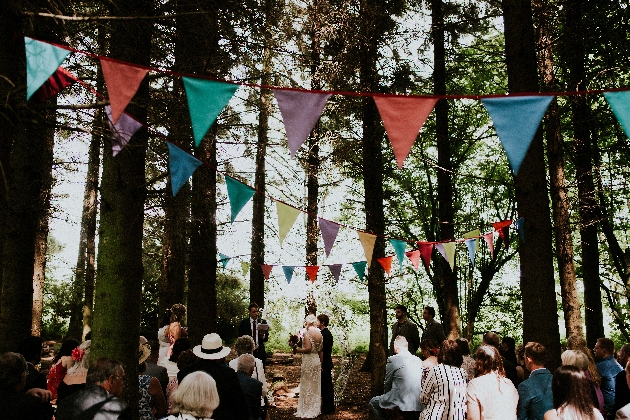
(309, 402)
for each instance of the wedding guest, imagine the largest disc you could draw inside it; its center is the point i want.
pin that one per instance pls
(152, 402)
(534, 394)
(76, 376)
(16, 403)
(404, 327)
(60, 365)
(571, 396)
(468, 363)
(580, 360)
(31, 348)
(195, 398)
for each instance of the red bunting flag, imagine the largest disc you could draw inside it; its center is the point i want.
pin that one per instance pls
(60, 80)
(426, 249)
(386, 263)
(123, 81)
(266, 269)
(414, 257)
(311, 270)
(503, 228)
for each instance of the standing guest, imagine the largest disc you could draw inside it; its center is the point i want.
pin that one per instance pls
(444, 389)
(520, 364)
(579, 360)
(624, 412)
(433, 330)
(15, 403)
(534, 394)
(492, 339)
(152, 402)
(468, 363)
(163, 339)
(60, 365)
(31, 348)
(251, 326)
(608, 368)
(251, 387)
(403, 386)
(100, 399)
(508, 349)
(153, 369)
(405, 328)
(579, 343)
(328, 391)
(490, 395)
(571, 396)
(76, 376)
(622, 392)
(172, 368)
(196, 398)
(429, 349)
(175, 330)
(211, 359)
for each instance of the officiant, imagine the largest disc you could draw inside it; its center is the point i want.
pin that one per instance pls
(256, 328)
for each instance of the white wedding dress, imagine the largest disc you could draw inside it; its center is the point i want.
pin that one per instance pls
(310, 400)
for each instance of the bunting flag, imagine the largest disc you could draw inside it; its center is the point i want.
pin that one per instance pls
(399, 248)
(489, 237)
(359, 268)
(122, 81)
(224, 259)
(60, 80)
(206, 100)
(503, 228)
(520, 226)
(367, 241)
(414, 257)
(286, 218)
(42, 60)
(472, 248)
(426, 250)
(300, 111)
(473, 234)
(123, 130)
(335, 270)
(329, 233)
(239, 194)
(244, 267)
(266, 269)
(386, 263)
(403, 118)
(516, 120)
(312, 270)
(288, 272)
(447, 249)
(620, 104)
(181, 166)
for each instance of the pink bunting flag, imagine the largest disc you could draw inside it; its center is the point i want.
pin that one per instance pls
(386, 263)
(329, 233)
(123, 81)
(60, 80)
(489, 237)
(266, 269)
(300, 111)
(426, 249)
(312, 270)
(503, 228)
(403, 118)
(414, 257)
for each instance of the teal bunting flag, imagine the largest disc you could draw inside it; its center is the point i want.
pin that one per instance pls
(359, 267)
(224, 259)
(472, 247)
(520, 226)
(206, 100)
(239, 194)
(42, 60)
(399, 248)
(620, 104)
(516, 120)
(288, 272)
(181, 166)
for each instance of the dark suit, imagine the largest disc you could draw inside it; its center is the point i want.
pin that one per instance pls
(534, 395)
(231, 396)
(252, 389)
(328, 391)
(245, 328)
(622, 392)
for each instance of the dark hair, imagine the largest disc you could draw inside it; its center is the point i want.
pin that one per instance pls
(186, 358)
(323, 318)
(166, 317)
(510, 343)
(252, 305)
(66, 349)
(491, 339)
(430, 310)
(606, 344)
(571, 387)
(450, 354)
(536, 351)
(178, 312)
(487, 359)
(625, 349)
(12, 366)
(155, 347)
(101, 369)
(429, 345)
(31, 348)
(464, 347)
(180, 345)
(403, 308)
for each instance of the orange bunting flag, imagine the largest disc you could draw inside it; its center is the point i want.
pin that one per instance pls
(403, 117)
(489, 237)
(312, 270)
(386, 263)
(266, 269)
(503, 228)
(414, 257)
(122, 81)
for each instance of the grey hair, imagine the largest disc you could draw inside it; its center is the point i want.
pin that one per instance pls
(84, 363)
(244, 345)
(196, 395)
(102, 369)
(401, 342)
(246, 362)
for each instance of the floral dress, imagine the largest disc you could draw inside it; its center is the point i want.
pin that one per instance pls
(310, 400)
(146, 401)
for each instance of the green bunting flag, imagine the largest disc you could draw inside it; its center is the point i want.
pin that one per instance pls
(239, 194)
(359, 267)
(224, 259)
(399, 248)
(245, 267)
(42, 60)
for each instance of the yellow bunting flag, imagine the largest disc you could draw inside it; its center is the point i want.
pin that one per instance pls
(286, 219)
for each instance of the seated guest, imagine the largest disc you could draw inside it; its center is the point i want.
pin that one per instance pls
(571, 396)
(76, 376)
(534, 394)
(444, 389)
(490, 396)
(152, 402)
(60, 365)
(211, 354)
(580, 360)
(31, 349)
(14, 402)
(153, 369)
(429, 350)
(622, 392)
(100, 398)
(196, 398)
(403, 383)
(252, 388)
(608, 368)
(245, 345)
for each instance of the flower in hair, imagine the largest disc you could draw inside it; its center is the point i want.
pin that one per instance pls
(77, 354)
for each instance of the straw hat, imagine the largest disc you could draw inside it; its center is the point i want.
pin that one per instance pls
(211, 348)
(144, 351)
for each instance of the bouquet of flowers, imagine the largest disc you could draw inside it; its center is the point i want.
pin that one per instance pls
(293, 340)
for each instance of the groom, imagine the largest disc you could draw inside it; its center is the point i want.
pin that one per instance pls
(249, 326)
(328, 394)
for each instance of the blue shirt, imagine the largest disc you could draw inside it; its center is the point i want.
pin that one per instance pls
(608, 369)
(534, 395)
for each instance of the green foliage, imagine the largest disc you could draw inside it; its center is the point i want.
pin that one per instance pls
(57, 308)
(232, 305)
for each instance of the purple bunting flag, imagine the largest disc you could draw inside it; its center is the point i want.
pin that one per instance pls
(122, 131)
(335, 270)
(329, 233)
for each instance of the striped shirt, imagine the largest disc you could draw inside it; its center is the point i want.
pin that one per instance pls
(444, 393)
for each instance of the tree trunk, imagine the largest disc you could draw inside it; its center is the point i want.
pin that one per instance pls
(540, 318)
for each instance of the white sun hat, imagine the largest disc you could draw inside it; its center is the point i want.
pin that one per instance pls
(211, 347)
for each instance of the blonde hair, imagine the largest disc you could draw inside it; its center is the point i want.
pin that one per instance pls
(196, 395)
(575, 358)
(311, 320)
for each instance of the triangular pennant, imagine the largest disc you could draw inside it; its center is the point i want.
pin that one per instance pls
(414, 257)
(335, 270)
(473, 234)
(122, 131)
(239, 194)
(286, 218)
(311, 270)
(403, 118)
(503, 227)
(181, 166)
(520, 226)
(224, 259)
(329, 233)
(399, 248)
(489, 237)
(288, 272)
(367, 241)
(122, 81)
(516, 119)
(386, 263)
(206, 100)
(472, 247)
(449, 249)
(426, 250)
(620, 104)
(266, 269)
(359, 268)
(42, 60)
(300, 111)
(244, 267)
(60, 80)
